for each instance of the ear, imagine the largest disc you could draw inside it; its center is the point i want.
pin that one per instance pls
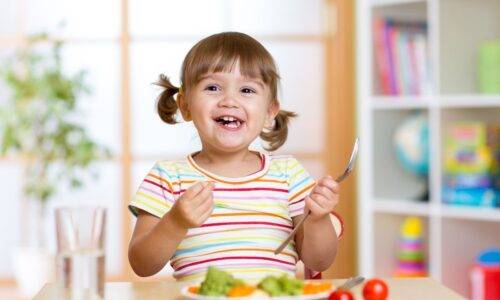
(183, 107)
(272, 111)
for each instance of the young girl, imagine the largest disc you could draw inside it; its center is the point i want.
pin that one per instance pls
(226, 205)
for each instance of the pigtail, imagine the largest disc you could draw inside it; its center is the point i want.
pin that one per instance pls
(276, 137)
(166, 104)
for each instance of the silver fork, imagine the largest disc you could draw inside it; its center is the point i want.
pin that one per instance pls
(351, 282)
(350, 166)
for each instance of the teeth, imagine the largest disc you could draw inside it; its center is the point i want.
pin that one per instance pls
(233, 125)
(228, 119)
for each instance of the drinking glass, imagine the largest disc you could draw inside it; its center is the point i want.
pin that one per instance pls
(80, 259)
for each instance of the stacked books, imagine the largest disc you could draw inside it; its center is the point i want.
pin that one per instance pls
(471, 172)
(401, 57)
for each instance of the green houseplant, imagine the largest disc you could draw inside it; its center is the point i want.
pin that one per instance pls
(39, 125)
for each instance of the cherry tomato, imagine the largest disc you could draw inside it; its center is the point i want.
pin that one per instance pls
(341, 295)
(375, 289)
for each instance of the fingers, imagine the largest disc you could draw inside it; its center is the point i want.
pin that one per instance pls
(203, 194)
(330, 184)
(204, 201)
(327, 187)
(314, 207)
(325, 204)
(206, 214)
(324, 191)
(194, 190)
(195, 205)
(324, 197)
(203, 204)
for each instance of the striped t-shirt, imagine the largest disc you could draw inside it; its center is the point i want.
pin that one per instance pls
(251, 217)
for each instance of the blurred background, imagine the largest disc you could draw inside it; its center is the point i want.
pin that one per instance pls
(416, 80)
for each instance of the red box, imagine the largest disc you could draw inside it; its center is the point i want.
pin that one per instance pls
(485, 282)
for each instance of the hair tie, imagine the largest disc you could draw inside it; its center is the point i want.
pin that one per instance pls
(180, 90)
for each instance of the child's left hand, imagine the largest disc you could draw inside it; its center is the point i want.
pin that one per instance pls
(323, 198)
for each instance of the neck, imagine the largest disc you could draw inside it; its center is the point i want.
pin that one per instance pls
(237, 163)
(209, 156)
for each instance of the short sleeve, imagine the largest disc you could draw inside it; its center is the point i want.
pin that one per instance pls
(300, 184)
(155, 194)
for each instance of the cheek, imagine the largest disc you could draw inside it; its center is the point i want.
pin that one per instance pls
(199, 109)
(259, 116)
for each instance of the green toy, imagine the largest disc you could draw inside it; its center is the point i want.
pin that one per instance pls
(489, 68)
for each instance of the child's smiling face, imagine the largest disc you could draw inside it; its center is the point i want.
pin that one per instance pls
(228, 109)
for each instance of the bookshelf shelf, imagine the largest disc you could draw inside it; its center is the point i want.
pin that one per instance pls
(407, 207)
(444, 101)
(454, 32)
(401, 207)
(470, 100)
(401, 102)
(471, 213)
(376, 3)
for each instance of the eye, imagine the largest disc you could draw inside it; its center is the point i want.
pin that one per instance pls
(248, 90)
(212, 88)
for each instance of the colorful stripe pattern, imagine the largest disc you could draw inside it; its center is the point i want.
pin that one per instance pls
(251, 217)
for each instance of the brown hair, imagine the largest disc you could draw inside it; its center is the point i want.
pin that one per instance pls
(220, 52)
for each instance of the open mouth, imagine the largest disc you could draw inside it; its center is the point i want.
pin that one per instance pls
(229, 122)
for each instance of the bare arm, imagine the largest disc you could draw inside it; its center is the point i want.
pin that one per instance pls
(155, 240)
(317, 241)
(153, 243)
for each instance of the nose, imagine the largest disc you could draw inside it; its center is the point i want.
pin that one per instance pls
(229, 99)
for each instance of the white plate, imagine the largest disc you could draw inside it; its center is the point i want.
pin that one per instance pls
(188, 295)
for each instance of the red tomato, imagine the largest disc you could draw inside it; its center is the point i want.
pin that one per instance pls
(375, 289)
(341, 295)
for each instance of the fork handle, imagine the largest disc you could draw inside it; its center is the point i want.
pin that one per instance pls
(291, 234)
(342, 177)
(299, 224)
(351, 282)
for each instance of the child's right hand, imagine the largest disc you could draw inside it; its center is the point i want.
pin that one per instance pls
(194, 207)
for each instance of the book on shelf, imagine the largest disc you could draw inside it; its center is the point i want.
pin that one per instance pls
(401, 57)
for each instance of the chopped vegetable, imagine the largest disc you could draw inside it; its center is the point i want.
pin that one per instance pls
(314, 288)
(194, 289)
(282, 286)
(271, 285)
(218, 283)
(241, 290)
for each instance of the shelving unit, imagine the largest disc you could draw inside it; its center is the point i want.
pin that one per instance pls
(453, 235)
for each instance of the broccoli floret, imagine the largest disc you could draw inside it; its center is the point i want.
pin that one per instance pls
(282, 286)
(271, 285)
(217, 283)
(291, 286)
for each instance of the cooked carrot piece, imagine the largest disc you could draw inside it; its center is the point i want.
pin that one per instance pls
(241, 290)
(314, 288)
(194, 289)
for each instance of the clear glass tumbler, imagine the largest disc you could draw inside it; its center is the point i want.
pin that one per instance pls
(80, 260)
